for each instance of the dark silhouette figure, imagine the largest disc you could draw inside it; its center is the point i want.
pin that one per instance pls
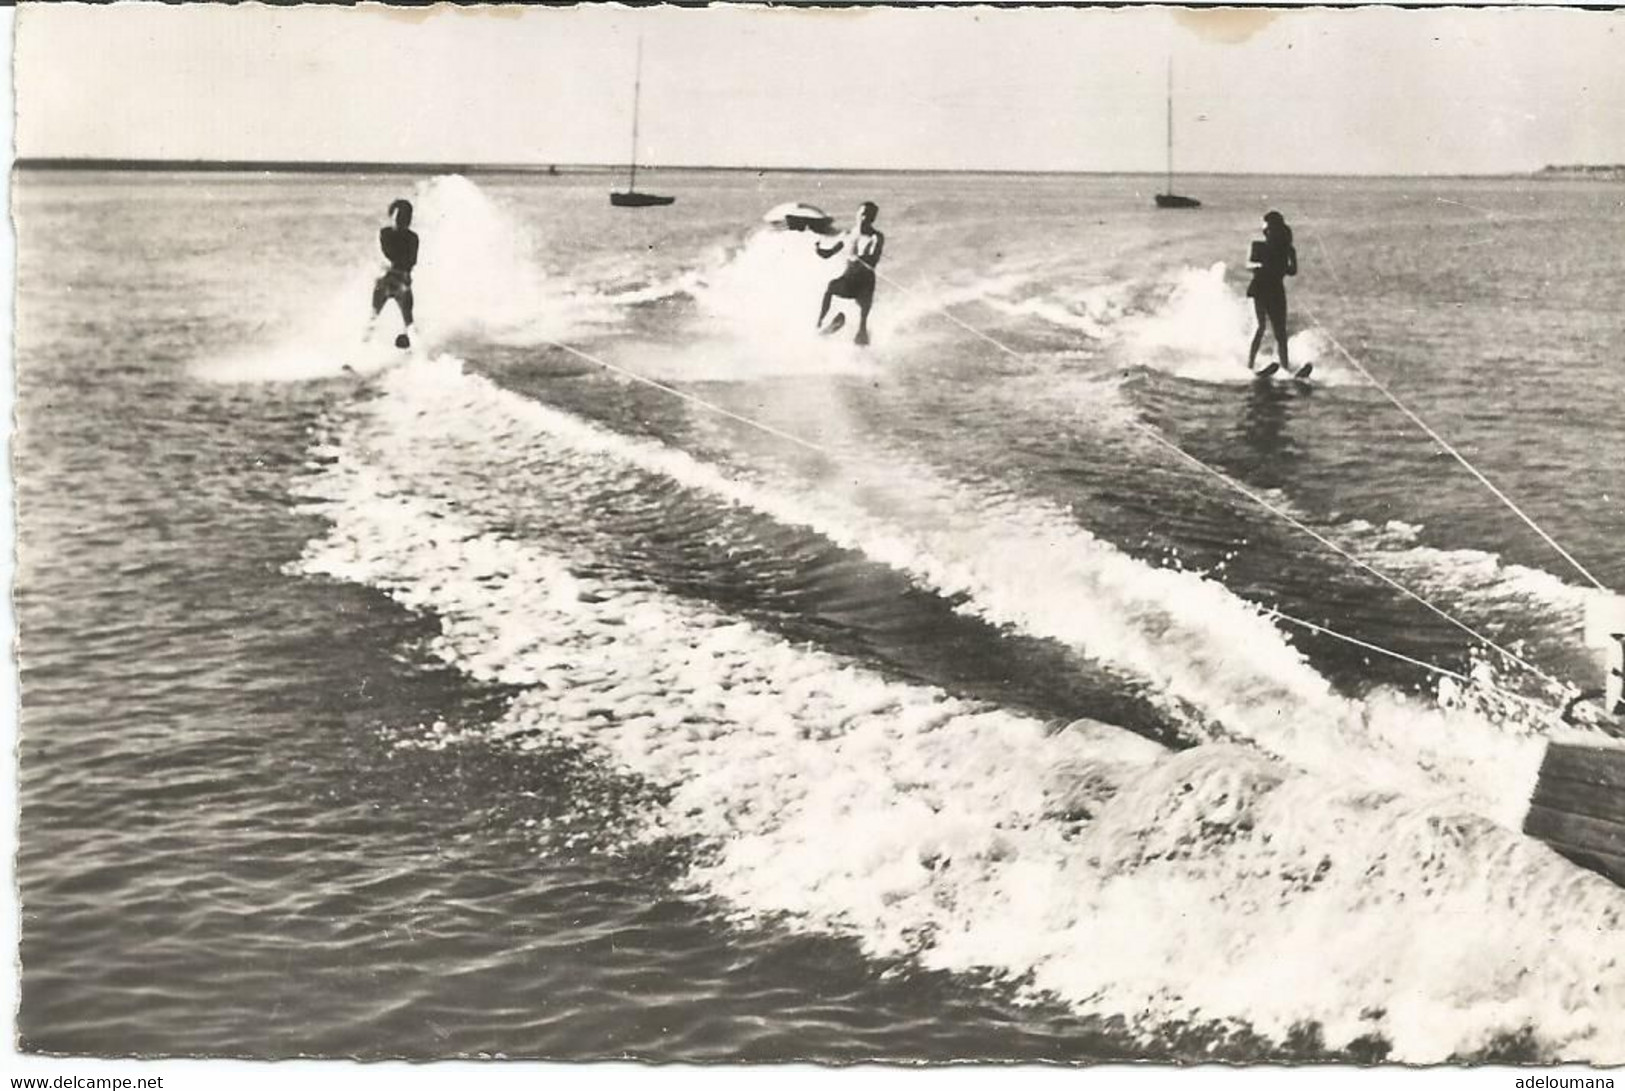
(863, 245)
(400, 245)
(1272, 261)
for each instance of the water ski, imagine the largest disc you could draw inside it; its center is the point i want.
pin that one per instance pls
(363, 383)
(376, 353)
(1269, 370)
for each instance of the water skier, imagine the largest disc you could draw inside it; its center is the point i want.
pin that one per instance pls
(400, 246)
(1272, 261)
(863, 245)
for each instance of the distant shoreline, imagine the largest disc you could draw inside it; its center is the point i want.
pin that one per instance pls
(1608, 171)
(294, 166)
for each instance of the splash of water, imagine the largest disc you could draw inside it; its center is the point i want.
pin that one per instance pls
(1217, 884)
(1202, 328)
(476, 275)
(1016, 562)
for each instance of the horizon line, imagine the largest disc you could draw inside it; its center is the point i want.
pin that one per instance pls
(319, 166)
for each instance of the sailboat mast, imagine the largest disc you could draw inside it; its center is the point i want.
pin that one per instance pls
(1170, 188)
(1168, 198)
(637, 96)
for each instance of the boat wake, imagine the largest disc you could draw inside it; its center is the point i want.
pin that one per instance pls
(1240, 887)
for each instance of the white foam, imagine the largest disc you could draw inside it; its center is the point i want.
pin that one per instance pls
(1016, 561)
(1210, 885)
(759, 306)
(1201, 330)
(328, 340)
(1093, 312)
(772, 284)
(1187, 322)
(477, 274)
(1474, 574)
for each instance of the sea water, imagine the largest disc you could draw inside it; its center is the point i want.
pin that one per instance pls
(910, 703)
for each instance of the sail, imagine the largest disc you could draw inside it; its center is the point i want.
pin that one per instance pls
(637, 104)
(1168, 198)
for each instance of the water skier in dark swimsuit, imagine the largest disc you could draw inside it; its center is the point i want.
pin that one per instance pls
(863, 245)
(400, 245)
(1271, 261)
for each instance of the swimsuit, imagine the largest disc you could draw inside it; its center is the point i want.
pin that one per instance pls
(394, 284)
(1269, 279)
(400, 246)
(1268, 286)
(858, 279)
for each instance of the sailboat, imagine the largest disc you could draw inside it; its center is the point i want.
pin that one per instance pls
(632, 198)
(1168, 198)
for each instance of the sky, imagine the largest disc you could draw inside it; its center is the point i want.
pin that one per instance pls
(1355, 90)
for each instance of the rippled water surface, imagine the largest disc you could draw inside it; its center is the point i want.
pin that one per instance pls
(482, 700)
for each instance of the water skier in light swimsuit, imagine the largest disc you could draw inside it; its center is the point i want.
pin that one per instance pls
(863, 245)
